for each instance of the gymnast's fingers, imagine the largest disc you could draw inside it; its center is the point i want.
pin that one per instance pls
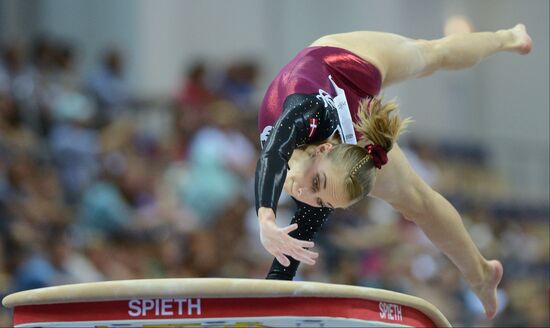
(290, 228)
(308, 253)
(301, 254)
(282, 259)
(304, 243)
(302, 258)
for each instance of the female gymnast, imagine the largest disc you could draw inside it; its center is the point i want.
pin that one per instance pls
(325, 136)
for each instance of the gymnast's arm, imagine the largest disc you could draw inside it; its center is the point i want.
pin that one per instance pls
(290, 131)
(310, 220)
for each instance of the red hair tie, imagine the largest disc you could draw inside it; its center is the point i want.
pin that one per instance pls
(378, 154)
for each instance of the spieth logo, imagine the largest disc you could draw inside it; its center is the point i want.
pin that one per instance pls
(313, 122)
(165, 307)
(390, 311)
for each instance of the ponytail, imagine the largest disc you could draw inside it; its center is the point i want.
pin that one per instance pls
(376, 123)
(379, 126)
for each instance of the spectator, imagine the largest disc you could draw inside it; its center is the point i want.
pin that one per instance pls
(195, 94)
(239, 84)
(108, 87)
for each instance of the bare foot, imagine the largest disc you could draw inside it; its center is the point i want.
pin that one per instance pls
(487, 291)
(523, 42)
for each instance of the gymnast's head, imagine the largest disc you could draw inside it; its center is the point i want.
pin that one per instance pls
(336, 175)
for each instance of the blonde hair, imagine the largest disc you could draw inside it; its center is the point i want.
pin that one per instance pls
(376, 125)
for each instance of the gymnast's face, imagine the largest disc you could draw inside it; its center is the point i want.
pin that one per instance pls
(312, 179)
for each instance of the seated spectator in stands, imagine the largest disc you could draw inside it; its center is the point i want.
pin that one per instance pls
(194, 93)
(73, 144)
(56, 263)
(239, 84)
(108, 86)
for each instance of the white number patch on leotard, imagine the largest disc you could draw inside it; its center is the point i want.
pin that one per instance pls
(346, 122)
(347, 132)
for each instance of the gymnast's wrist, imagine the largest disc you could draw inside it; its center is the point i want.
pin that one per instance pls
(266, 214)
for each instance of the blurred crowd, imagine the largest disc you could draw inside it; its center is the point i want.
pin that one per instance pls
(97, 183)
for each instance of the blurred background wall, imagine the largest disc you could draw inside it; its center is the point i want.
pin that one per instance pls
(128, 142)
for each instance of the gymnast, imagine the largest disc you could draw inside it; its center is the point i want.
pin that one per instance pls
(326, 138)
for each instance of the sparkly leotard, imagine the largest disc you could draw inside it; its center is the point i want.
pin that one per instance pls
(298, 109)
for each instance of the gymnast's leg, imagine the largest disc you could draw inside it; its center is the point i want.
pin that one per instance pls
(400, 58)
(399, 185)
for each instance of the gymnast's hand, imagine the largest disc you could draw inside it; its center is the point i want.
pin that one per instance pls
(279, 244)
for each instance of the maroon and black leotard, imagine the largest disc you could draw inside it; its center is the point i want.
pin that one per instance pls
(295, 111)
